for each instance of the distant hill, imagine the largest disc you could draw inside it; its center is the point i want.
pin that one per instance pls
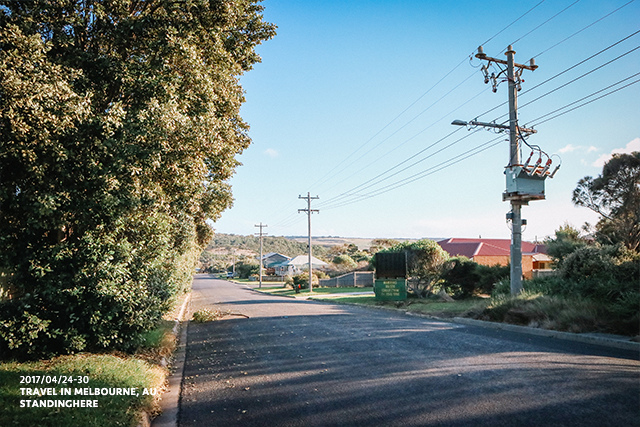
(250, 245)
(286, 245)
(362, 243)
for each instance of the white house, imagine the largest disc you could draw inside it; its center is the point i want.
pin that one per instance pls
(299, 264)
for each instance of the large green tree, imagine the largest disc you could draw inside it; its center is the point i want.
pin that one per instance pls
(615, 196)
(119, 127)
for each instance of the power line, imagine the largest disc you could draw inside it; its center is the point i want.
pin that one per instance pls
(580, 77)
(443, 165)
(336, 200)
(545, 22)
(323, 179)
(588, 102)
(521, 16)
(583, 61)
(396, 147)
(485, 146)
(332, 202)
(371, 184)
(561, 73)
(582, 29)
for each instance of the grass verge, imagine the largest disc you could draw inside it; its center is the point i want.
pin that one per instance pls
(547, 312)
(317, 292)
(110, 373)
(133, 384)
(444, 309)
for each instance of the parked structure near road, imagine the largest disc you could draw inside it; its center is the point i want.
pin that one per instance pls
(497, 252)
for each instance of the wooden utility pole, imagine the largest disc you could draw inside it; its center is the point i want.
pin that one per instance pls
(513, 72)
(309, 211)
(261, 225)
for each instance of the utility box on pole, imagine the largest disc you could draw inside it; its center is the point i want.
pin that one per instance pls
(522, 186)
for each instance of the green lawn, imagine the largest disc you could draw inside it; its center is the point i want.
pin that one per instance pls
(88, 372)
(428, 307)
(80, 375)
(316, 291)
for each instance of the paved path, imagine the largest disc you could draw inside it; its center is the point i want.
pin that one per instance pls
(304, 363)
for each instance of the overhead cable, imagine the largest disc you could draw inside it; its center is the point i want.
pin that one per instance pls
(582, 29)
(545, 22)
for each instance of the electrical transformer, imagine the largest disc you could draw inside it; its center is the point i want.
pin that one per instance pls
(523, 185)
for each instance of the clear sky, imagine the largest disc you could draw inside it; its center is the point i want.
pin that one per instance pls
(354, 99)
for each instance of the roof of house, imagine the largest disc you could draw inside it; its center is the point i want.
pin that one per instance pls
(486, 247)
(301, 260)
(273, 258)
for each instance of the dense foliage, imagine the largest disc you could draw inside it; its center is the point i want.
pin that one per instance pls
(119, 127)
(246, 269)
(615, 196)
(464, 278)
(566, 240)
(596, 288)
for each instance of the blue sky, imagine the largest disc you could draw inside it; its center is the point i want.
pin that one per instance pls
(353, 103)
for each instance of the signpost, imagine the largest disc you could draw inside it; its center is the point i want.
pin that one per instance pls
(390, 289)
(391, 276)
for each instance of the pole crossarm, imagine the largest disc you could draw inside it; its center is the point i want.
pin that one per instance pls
(474, 123)
(481, 55)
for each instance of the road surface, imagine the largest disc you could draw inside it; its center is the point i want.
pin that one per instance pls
(305, 363)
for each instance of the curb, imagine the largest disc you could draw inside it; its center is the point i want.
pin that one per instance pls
(170, 403)
(621, 343)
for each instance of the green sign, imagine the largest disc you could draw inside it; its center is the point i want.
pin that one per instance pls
(390, 289)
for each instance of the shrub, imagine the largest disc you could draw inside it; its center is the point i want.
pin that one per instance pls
(205, 315)
(598, 282)
(464, 278)
(501, 288)
(461, 278)
(345, 262)
(301, 281)
(490, 276)
(544, 311)
(244, 270)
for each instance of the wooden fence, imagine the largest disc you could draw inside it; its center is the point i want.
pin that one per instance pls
(358, 279)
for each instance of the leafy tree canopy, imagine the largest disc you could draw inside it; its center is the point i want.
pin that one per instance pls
(567, 239)
(119, 127)
(615, 195)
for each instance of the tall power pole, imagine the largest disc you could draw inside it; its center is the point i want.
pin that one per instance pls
(520, 179)
(261, 225)
(309, 211)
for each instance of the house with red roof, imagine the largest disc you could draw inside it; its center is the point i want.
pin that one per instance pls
(498, 252)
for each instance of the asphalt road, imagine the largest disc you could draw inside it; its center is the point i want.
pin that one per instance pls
(304, 363)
